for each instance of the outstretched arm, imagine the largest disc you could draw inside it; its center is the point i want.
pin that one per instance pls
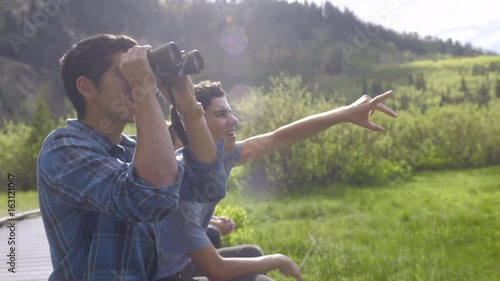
(218, 268)
(357, 113)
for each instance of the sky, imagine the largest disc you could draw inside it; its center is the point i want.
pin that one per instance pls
(468, 21)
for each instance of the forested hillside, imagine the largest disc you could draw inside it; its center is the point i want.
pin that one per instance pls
(281, 62)
(447, 111)
(243, 42)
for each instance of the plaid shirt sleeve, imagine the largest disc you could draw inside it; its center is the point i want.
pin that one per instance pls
(80, 175)
(205, 182)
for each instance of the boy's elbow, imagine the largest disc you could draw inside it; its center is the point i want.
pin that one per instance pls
(217, 275)
(217, 272)
(157, 211)
(172, 207)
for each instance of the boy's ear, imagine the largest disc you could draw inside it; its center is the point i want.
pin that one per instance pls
(86, 87)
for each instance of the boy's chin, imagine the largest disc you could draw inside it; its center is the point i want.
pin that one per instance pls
(229, 143)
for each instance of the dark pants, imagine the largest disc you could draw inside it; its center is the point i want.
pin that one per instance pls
(213, 234)
(192, 272)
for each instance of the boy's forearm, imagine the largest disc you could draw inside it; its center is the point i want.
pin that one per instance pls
(200, 139)
(154, 158)
(235, 267)
(307, 127)
(259, 146)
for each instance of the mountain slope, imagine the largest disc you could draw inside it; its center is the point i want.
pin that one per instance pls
(244, 43)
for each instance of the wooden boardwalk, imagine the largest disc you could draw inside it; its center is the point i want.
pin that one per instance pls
(32, 256)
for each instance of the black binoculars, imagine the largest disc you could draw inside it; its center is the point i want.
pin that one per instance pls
(170, 61)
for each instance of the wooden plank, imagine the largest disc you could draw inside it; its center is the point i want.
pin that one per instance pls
(32, 254)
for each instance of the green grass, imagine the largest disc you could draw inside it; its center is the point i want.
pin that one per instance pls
(439, 226)
(25, 201)
(130, 129)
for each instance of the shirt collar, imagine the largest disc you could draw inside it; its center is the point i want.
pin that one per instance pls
(99, 138)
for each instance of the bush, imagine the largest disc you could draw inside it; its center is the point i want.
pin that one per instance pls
(22, 145)
(12, 136)
(240, 218)
(451, 136)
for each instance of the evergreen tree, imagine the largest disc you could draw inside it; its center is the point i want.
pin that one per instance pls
(41, 125)
(444, 100)
(483, 94)
(423, 108)
(404, 102)
(463, 86)
(468, 95)
(420, 83)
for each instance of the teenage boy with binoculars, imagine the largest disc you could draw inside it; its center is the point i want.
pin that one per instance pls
(101, 192)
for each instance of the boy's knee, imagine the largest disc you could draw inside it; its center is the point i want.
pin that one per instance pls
(250, 251)
(213, 233)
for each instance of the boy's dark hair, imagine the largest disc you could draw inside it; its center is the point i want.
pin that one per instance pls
(90, 57)
(204, 91)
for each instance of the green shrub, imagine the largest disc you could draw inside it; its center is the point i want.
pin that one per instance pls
(21, 145)
(451, 136)
(12, 137)
(242, 232)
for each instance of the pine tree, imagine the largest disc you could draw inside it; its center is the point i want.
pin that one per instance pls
(468, 95)
(40, 126)
(404, 102)
(463, 86)
(420, 83)
(444, 100)
(483, 95)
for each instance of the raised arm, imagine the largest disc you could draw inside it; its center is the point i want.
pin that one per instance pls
(80, 175)
(357, 113)
(201, 142)
(154, 157)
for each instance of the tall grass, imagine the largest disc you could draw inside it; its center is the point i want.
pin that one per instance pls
(439, 226)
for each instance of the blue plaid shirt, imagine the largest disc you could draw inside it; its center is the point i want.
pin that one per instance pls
(100, 219)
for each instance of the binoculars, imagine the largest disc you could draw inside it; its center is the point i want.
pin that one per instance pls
(170, 61)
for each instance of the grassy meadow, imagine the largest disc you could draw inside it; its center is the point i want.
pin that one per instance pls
(442, 225)
(438, 226)
(25, 201)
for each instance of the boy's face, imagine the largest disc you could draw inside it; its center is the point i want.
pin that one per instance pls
(114, 97)
(221, 122)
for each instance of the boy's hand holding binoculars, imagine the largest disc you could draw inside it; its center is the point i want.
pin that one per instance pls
(172, 66)
(183, 93)
(135, 69)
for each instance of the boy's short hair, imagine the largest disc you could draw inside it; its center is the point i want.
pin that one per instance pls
(90, 57)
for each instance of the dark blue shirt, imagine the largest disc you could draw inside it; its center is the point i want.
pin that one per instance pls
(185, 231)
